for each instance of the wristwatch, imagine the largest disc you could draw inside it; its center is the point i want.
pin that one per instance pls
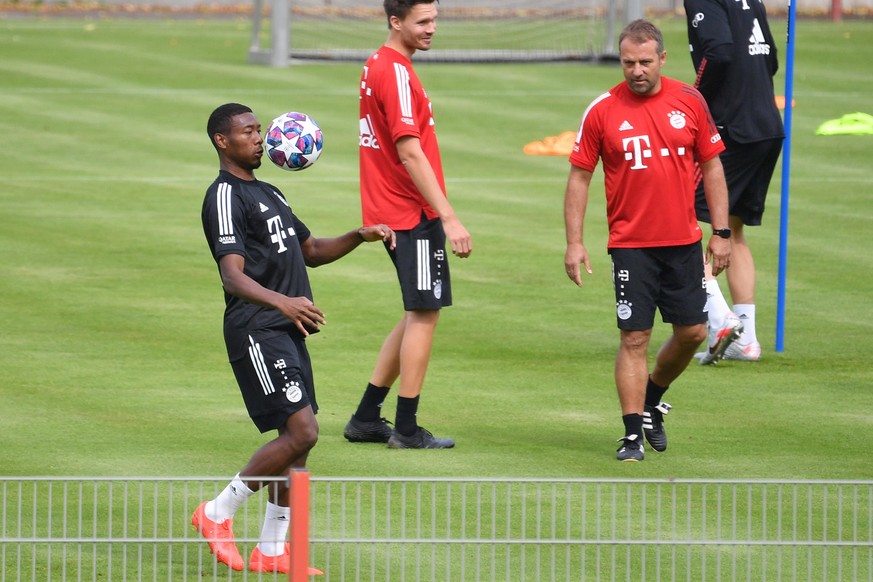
(722, 232)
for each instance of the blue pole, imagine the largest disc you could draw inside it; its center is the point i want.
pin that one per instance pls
(786, 167)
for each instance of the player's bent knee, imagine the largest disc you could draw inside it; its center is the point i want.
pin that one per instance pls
(635, 340)
(693, 335)
(300, 441)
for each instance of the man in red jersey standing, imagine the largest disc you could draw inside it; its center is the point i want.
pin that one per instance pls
(650, 132)
(402, 185)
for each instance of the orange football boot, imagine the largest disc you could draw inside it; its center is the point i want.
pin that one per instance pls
(259, 562)
(220, 538)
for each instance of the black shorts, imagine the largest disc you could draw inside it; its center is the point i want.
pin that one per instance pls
(275, 379)
(748, 168)
(422, 269)
(667, 278)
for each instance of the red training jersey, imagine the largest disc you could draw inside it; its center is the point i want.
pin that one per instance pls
(650, 148)
(393, 104)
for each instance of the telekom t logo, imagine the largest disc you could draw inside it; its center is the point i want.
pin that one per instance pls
(278, 233)
(639, 149)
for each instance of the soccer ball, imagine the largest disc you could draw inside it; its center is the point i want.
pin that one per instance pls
(293, 141)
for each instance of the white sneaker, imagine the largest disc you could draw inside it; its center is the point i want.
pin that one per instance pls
(744, 353)
(721, 340)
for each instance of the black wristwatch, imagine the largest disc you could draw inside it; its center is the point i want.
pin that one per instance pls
(722, 232)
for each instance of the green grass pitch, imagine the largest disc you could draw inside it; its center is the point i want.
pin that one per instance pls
(111, 357)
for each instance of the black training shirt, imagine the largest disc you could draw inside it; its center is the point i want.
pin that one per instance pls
(734, 55)
(254, 220)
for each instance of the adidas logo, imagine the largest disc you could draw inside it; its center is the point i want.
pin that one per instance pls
(264, 207)
(625, 126)
(367, 137)
(758, 44)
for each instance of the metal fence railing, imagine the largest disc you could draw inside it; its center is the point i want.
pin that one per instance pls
(423, 529)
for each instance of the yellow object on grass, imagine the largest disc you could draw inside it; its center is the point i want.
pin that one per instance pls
(848, 124)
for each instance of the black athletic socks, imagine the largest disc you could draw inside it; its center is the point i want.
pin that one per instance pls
(654, 393)
(633, 424)
(407, 409)
(370, 408)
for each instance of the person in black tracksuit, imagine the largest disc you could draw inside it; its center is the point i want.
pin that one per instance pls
(734, 54)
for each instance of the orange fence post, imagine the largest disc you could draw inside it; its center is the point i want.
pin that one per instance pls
(298, 532)
(836, 10)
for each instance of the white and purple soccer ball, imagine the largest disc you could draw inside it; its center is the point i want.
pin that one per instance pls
(293, 141)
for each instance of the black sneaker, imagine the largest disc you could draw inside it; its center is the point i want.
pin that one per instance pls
(422, 439)
(367, 431)
(653, 425)
(631, 448)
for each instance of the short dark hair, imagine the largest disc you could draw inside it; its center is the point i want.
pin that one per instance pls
(220, 120)
(640, 31)
(400, 8)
